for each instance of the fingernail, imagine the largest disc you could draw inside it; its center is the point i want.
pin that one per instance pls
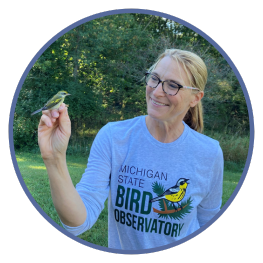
(49, 124)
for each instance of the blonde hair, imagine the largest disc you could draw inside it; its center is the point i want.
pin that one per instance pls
(196, 71)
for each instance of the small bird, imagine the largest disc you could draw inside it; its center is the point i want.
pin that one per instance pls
(174, 194)
(54, 103)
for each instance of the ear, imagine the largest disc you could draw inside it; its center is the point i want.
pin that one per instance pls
(196, 98)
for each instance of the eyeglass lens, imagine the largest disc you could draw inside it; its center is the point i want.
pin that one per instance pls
(169, 87)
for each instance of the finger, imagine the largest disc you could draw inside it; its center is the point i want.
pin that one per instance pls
(64, 121)
(63, 111)
(62, 108)
(52, 114)
(45, 120)
(55, 113)
(47, 112)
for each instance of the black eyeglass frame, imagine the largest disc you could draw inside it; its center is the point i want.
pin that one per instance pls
(162, 81)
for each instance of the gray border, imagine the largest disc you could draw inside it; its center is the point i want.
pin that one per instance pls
(113, 12)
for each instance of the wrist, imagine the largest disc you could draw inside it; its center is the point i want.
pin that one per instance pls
(54, 159)
(57, 169)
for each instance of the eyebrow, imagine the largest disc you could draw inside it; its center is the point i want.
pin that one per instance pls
(177, 82)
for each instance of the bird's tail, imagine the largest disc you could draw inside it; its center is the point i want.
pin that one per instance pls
(37, 111)
(157, 198)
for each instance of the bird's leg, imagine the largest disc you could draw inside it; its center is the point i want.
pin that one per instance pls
(174, 207)
(180, 206)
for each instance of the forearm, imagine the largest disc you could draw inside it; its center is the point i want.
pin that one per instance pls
(66, 199)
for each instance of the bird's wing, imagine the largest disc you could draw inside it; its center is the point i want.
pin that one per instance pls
(172, 190)
(52, 102)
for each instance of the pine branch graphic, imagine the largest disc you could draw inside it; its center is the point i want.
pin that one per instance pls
(158, 189)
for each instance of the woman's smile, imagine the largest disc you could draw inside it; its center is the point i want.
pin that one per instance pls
(158, 103)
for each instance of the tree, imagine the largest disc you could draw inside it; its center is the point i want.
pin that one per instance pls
(102, 64)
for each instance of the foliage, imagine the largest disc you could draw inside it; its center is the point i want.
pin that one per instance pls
(102, 62)
(234, 146)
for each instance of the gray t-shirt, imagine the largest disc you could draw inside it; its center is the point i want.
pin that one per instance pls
(130, 167)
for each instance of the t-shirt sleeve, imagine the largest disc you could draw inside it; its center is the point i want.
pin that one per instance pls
(94, 185)
(211, 204)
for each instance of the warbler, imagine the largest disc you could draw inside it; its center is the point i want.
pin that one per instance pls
(174, 194)
(54, 102)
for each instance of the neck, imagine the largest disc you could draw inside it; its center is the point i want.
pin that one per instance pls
(164, 131)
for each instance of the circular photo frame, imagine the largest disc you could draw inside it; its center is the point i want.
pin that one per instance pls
(98, 16)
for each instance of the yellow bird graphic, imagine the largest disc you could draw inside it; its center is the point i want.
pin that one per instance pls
(174, 194)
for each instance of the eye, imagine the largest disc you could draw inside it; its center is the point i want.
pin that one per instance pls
(172, 85)
(154, 78)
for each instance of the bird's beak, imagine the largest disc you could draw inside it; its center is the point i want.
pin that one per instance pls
(68, 94)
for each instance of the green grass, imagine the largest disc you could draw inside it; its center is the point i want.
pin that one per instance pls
(232, 174)
(35, 177)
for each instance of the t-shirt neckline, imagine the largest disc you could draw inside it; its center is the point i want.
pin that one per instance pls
(161, 144)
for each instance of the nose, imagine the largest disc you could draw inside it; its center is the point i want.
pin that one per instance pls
(158, 91)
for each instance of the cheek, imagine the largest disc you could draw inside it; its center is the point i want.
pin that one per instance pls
(175, 103)
(148, 91)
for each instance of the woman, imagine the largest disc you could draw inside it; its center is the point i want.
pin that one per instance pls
(162, 177)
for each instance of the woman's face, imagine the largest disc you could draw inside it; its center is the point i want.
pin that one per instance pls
(172, 108)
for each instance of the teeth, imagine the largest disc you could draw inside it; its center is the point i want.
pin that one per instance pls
(155, 102)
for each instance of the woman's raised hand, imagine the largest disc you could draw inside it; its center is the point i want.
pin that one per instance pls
(53, 136)
(53, 133)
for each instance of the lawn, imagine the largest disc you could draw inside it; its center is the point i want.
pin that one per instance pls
(35, 177)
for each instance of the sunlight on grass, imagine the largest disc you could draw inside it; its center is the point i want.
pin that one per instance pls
(77, 165)
(20, 159)
(35, 177)
(37, 167)
(232, 182)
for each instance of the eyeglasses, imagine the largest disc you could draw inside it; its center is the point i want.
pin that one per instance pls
(169, 86)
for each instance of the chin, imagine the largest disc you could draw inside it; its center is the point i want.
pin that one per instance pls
(155, 115)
